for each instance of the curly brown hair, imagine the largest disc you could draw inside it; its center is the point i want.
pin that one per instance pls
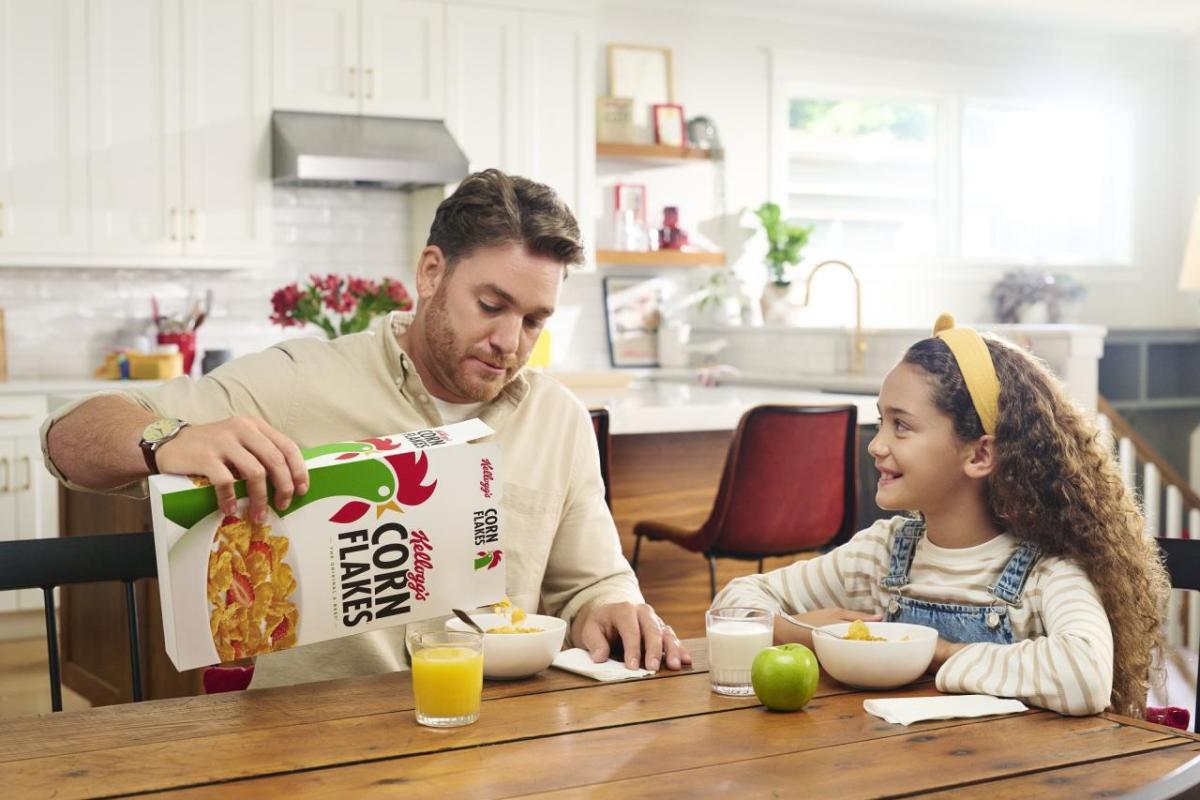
(1057, 484)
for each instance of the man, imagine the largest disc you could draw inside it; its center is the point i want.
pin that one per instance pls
(487, 281)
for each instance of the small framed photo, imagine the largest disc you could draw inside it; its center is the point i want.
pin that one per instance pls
(633, 309)
(644, 74)
(614, 120)
(669, 127)
(630, 197)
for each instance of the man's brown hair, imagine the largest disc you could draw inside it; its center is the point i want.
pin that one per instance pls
(490, 208)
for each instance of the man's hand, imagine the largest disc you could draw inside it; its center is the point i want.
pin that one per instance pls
(787, 632)
(239, 447)
(636, 628)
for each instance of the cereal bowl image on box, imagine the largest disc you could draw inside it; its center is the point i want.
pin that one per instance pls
(517, 649)
(392, 530)
(896, 654)
(245, 591)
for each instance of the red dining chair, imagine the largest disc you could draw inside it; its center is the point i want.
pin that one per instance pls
(788, 487)
(603, 442)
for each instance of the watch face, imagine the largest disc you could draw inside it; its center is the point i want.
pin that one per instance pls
(160, 429)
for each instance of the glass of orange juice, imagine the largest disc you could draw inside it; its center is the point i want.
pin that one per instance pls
(447, 676)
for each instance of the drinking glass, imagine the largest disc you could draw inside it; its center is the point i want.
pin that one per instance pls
(735, 636)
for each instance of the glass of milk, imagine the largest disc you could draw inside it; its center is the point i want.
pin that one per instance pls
(735, 637)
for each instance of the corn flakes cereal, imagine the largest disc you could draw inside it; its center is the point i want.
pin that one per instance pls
(248, 588)
(512, 615)
(858, 631)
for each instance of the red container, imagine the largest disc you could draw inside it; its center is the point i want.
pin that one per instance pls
(187, 347)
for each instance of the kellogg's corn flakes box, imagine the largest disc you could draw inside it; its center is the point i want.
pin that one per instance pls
(393, 529)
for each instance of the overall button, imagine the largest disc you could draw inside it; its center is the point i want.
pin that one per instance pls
(893, 607)
(993, 619)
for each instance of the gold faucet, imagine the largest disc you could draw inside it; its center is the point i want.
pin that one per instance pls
(858, 355)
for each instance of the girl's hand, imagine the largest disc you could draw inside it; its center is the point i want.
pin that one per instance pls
(787, 632)
(942, 653)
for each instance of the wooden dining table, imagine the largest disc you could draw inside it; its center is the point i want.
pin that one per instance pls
(561, 735)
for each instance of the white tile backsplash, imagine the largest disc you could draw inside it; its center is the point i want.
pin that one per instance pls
(60, 322)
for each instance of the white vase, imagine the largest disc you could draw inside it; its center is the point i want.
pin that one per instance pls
(776, 303)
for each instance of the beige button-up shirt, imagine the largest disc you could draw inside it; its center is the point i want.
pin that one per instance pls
(561, 545)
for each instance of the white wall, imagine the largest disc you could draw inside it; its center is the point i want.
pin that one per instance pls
(722, 70)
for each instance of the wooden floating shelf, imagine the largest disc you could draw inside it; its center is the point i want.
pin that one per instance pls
(660, 258)
(653, 152)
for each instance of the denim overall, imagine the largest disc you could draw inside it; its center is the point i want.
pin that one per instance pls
(957, 623)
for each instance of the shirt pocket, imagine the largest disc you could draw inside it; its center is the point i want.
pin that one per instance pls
(530, 524)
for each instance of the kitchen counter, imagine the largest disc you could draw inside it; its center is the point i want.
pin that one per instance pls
(69, 386)
(663, 406)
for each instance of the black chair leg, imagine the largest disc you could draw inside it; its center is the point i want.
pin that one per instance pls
(135, 659)
(760, 566)
(52, 649)
(712, 577)
(637, 548)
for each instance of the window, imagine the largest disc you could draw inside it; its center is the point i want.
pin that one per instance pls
(938, 172)
(863, 173)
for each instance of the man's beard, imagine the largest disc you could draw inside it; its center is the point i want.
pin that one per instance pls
(450, 358)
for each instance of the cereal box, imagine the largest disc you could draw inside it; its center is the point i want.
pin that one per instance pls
(393, 529)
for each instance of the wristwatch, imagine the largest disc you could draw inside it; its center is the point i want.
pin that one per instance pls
(155, 435)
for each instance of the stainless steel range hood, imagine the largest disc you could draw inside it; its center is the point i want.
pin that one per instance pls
(343, 150)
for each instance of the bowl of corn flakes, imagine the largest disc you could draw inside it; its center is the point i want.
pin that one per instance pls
(515, 644)
(875, 655)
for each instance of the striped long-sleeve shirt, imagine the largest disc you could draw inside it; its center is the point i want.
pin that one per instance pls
(1062, 656)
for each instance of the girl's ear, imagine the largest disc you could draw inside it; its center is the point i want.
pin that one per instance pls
(981, 457)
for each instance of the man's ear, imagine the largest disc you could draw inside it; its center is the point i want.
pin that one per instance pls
(431, 271)
(980, 457)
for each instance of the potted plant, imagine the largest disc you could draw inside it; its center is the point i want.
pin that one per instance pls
(785, 241)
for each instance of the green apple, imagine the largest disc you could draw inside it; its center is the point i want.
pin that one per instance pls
(785, 677)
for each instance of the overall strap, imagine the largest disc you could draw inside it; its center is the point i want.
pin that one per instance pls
(904, 548)
(1011, 584)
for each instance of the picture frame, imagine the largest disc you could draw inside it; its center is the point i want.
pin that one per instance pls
(670, 127)
(614, 120)
(645, 74)
(633, 313)
(630, 197)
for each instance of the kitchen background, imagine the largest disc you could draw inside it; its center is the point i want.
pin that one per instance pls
(1142, 57)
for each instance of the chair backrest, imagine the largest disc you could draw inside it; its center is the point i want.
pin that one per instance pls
(789, 483)
(48, 563)
(1181, 557)
(603, 442)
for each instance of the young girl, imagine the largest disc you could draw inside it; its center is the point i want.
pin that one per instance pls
(1026, 552)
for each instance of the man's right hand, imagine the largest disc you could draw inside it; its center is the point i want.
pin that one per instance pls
(239, 447)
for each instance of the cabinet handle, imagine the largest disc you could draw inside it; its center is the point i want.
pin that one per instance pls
(192, 224)
(7, 487)
(370, 83)
(174, 224)
(353, 81)
(1, 220)
(28, 474)
(14, 417)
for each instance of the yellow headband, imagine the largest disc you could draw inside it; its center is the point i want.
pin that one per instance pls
(975, 363)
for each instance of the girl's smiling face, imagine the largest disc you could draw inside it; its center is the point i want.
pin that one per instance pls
(922, 464)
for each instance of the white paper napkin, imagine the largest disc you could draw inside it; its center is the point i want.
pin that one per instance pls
(907, 710)
(578, 660)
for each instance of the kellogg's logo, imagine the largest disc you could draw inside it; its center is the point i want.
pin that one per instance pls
(485, 485)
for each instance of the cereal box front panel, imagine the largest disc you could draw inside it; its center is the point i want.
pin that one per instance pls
(399, 531)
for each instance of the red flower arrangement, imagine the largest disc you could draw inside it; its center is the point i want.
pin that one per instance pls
(356, 301)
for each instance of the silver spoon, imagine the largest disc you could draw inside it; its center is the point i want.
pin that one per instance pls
(813, 628)
(465, 617)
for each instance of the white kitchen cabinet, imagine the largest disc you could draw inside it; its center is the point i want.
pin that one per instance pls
(226, 205)
(374, 57)
(134, 99)
(315, 55)
(483, 74)
(28, 493)
(43, 125)
(559, 107)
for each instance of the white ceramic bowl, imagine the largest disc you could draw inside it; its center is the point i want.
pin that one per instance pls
(877, 665)
(507, 656)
